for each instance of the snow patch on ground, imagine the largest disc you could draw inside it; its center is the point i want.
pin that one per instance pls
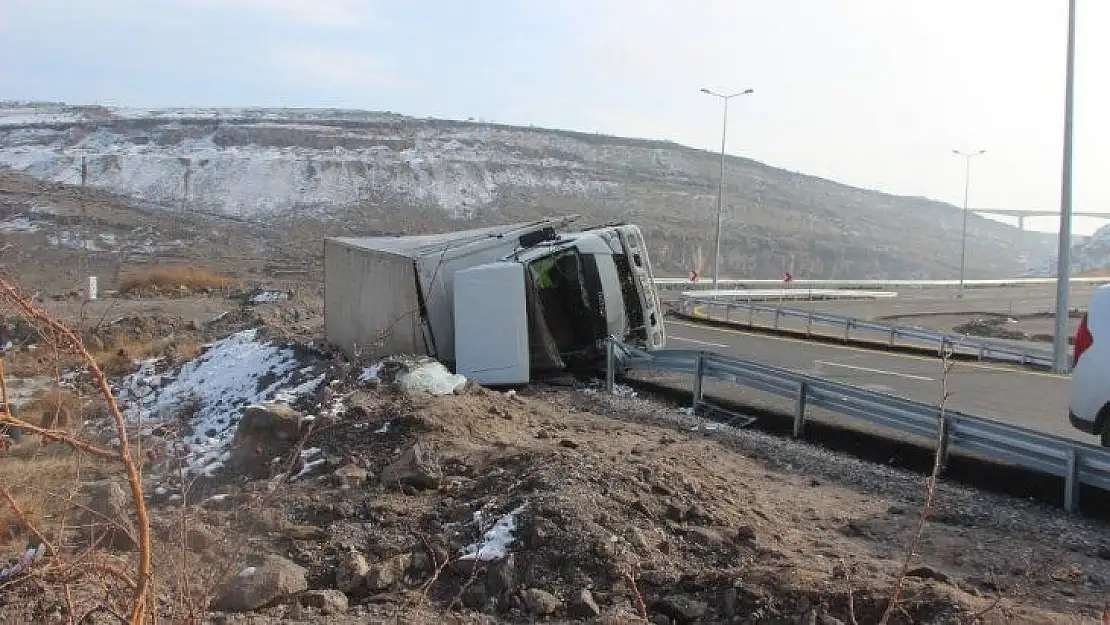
(495, 543)
(233, 373)
(18, 223)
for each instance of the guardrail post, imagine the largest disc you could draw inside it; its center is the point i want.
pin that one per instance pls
(847, 329)
(610, 366)
(699, 375)
(943, 343)
(778, 311)
(809, 323)
(728, 308)
(800, 409)
(751, 315)
(983, 351)
(943, 427)
(893, 331)
(1071, 483)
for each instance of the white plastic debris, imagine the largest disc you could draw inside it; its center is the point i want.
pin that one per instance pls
(431, 377)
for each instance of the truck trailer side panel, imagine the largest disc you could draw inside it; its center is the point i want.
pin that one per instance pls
(370, 301)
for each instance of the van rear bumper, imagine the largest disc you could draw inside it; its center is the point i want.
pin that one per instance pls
(1087, 427)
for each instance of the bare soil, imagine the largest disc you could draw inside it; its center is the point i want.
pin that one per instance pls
(627, 498)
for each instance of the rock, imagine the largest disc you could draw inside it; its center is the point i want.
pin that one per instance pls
(539, 532)
(328, 602)
(270, 580)
(745, 534)
(304, 532)
(582, 605)
(351, 476)
(826, 619)
(682, 609)
(1104, 552)
(351, 572)
(539, 602)
(676, 513)
(385, 575)
(200, 539)
(106, 520)
(569, 444)
(265, 432)
(618, 616)
(475, 597)
(730, 602)
(417, 467)
(926, 572)
(501, 577)
(705, 536)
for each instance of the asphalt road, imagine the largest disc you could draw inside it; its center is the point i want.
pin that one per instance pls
(1031, 399)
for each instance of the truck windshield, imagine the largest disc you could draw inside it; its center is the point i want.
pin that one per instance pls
(570, 292)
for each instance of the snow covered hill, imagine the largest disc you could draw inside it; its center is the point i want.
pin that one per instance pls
(1087, 254)
(339, 165)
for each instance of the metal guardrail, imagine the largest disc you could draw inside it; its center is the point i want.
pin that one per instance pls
(737, 311)
(1077, 463)
(670, 284)
(793, 294)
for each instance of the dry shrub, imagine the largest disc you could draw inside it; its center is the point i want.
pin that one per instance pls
(55, 408)
(40, 478)
(119, 358)
(173, 277)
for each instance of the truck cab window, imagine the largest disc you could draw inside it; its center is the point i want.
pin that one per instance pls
(563, 282)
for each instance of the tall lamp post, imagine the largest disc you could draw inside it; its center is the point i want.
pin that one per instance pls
(725, 97)
(1063, 259)
(963, 239)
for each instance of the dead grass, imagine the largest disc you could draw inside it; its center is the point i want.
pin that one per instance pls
(40, 478)
(54, 409)
(116, 356)
(1102, 272)
(171, 278)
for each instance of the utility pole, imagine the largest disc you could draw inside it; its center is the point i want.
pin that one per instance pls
(963, 239)
(84, 261)
(721, 181)
(1060, 362)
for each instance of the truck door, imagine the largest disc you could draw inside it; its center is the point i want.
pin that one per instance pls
(491, 324)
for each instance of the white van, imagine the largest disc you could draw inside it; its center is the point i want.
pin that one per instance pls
(1089, 406)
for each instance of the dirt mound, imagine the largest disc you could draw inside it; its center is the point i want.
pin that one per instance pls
(548, 507)
(556, 505)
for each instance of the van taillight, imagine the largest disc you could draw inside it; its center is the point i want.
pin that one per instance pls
(1083, 339)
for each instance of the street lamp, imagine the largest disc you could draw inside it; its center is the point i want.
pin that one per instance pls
(963, 240)
(1063, 258)
(725, 97)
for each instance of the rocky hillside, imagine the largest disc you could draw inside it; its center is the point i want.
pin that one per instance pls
(338, 171)
(1089, 255)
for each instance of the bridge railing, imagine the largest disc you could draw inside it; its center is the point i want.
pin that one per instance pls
(849, 328)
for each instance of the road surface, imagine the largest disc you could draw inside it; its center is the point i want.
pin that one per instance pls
(1032, 399)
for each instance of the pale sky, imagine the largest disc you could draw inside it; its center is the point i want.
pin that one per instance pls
(869, 93)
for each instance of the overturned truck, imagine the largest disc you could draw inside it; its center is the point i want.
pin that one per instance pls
(500, 305)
